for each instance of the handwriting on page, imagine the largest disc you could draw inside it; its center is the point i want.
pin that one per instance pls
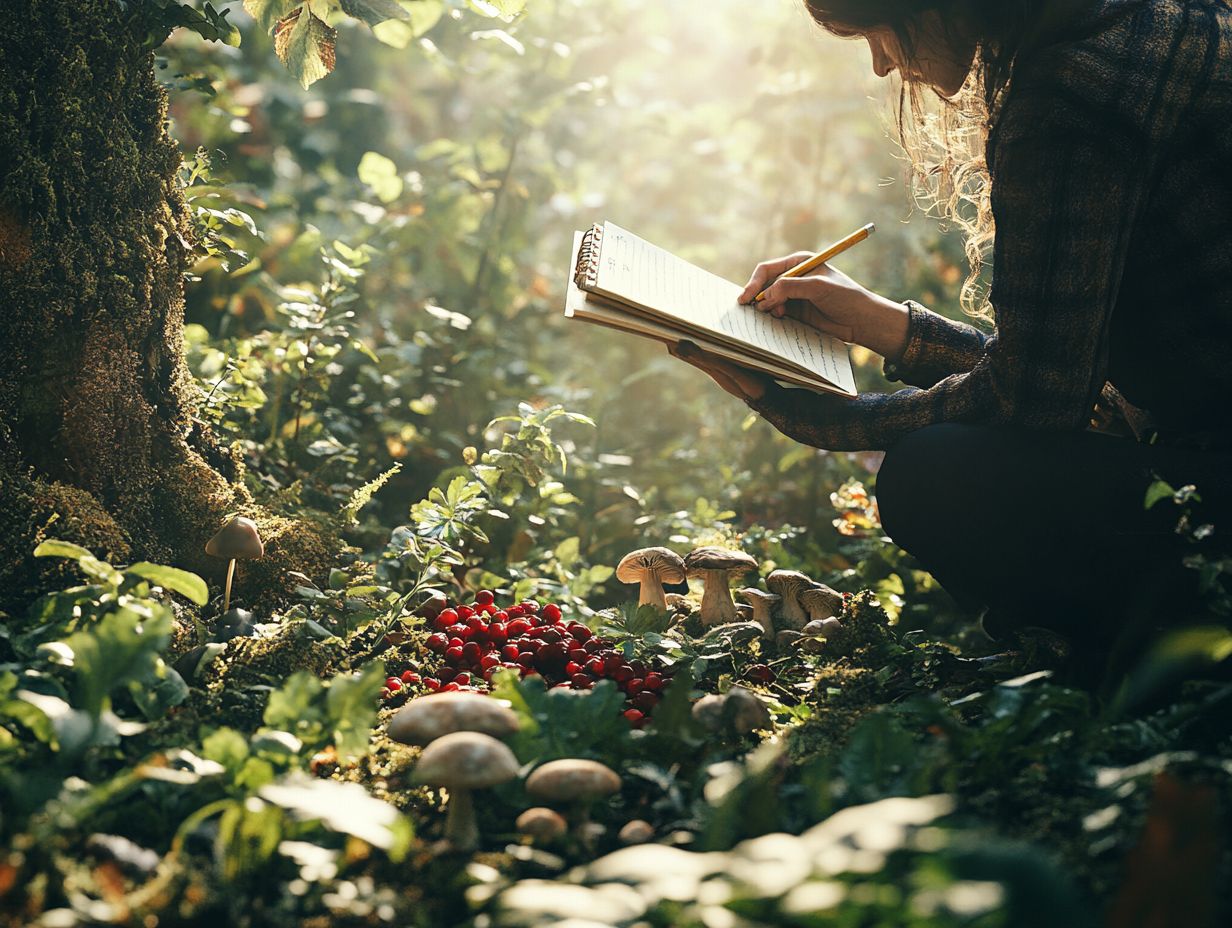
(648, 276)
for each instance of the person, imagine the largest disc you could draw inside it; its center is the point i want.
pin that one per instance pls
(1017, 462)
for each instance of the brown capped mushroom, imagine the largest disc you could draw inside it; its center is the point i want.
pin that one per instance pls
(714, 565)
(461, 762)
(817, 630)
(789, 584)
(542, 825)
(763, 605)
(239, 538)
(651, 567)
(426, 718)
(636, 832)
(575, 782)
(820, 601)
(737, 712)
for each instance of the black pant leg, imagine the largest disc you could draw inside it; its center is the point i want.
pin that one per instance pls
(1047, 528)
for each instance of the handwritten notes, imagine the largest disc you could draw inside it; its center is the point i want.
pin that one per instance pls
(636, 272)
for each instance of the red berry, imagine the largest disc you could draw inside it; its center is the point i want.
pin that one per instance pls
(594, 646)
(498, 632)
(517, 628)
(639, 668)
(510, 652)
(409, 676)
(464, 679)
(438, 642)
(646, 701)
(760, 673)
(488, 661)
(526, 661)
(551, 636)
(551, 658)
(581, 681)
(456, 630)
(465, 612)
(580, 632)
(476, 624)
(654, 681)
(471, 652)
(385, 693)
(634, 715)
(529, 606)
(447, 673)
(622, 675)
(432, 683)
(454, 655)
(515, 612)
(612, 660)
(484, 597)
(489, 609)
(595, 666)
(448, 616)
(572, 668)
(551, 612)
(450, 688)
(442, 622)
(634, 686)
(579, 655)
(500, 615)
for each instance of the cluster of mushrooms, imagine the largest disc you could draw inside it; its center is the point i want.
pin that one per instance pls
(462, 751)
(794, 608)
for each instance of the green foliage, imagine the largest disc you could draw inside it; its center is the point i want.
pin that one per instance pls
(338, 713)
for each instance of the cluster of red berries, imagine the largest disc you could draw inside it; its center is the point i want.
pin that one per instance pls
(479, 639)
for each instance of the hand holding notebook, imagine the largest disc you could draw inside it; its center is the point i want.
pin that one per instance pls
(624, 282)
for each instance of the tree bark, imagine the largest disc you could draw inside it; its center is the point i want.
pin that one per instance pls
(98, 440)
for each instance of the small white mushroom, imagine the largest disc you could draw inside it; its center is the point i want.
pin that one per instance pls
(739, 711)
(817, 630)
(542, 825)
(763, 605)
(714, 566)
(636, 832)
(789, 584)
(575, 782)
(820, 601)
(651, 567)
(423, 720)
(461, 762)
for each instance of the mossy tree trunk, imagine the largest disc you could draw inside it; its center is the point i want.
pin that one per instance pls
(98, 442)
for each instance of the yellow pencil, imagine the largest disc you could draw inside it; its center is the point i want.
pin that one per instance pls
(822, 256)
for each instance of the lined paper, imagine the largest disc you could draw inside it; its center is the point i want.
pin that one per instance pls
(635, 271)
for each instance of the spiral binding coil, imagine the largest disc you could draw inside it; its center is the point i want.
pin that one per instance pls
(586, 274)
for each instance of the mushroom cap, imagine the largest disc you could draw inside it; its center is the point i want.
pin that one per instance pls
(822, 628)
(426, 718)
(788, 582)
(745, 711)
(235, 623)
(819, 597)
(466, 760)
(753, 596)
(542, 824)
(637, 831)
(710, 557)
(238, 538)
(663, 562)
(572, 779)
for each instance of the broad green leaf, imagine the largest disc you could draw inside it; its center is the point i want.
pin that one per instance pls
(172, 578)
(374, 12)
(122, 646)
(55, 548)
(347, 808)
(267, 12)
(423, 15)
(305, 44)
(225, 746)
(352, 703)
(381, 174)
(1157, 491)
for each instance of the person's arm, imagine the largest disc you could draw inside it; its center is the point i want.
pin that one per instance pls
(936, 348)
(1067, 192)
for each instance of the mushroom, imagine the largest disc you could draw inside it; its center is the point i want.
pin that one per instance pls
(239, 538)
(574, 781)
(460, 762)
(763, 605)
(713, 565)
(651, 567)
(821, 601)
(708, 712)
(819, 629)
(789, 584)
(542, 825)
(235, 623)
(739, 711)
(636, 832)
(426, 718)
(678, 602)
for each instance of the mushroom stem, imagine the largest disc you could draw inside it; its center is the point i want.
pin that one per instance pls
(461, 830)
(226, 596)
(651, 592)
(718, 607)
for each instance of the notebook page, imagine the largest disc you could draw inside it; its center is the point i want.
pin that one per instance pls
(645, 275)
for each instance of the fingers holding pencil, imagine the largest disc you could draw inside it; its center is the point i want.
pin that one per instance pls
(805, 264)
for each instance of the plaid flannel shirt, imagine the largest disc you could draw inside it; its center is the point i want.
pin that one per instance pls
(1111, 168)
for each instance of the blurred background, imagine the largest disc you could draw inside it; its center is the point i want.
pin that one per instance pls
(406, 226)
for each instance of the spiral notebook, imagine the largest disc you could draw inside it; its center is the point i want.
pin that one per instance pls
(624, 282)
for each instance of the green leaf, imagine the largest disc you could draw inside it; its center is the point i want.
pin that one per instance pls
(374, 12)
(352, 703)
(347, 808)
(121, 647)
(225, 746)
(54, 548)
(267, 12)
(305, 44)
(381, 174)
(172, 578)
(423, 15)
(1159, 490)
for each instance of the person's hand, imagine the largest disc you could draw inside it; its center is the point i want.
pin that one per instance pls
(740, 382)
(831, 302)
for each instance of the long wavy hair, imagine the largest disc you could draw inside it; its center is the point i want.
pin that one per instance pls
(945, 139)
